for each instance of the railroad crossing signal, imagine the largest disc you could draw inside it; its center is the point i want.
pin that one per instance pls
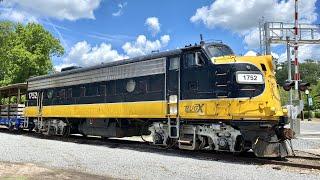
(301, 86)
(288, 85)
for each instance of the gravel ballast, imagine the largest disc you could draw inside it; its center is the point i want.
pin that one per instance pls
(126, 163)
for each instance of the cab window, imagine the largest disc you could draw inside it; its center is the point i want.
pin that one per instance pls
(194, 59)
(174, 63)
(219, 50)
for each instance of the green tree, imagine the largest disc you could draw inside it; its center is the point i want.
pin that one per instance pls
(282, 73)
(26, 50)
(6, 29)
(315, 94)
(309, 72)
(284, 96)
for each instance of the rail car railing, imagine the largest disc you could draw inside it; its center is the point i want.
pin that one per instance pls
(12, 115)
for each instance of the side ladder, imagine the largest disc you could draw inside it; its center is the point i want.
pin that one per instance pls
(39, 105)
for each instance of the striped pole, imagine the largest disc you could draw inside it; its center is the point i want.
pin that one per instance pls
(296, 62)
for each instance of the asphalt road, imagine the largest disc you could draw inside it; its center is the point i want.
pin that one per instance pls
(310, 127)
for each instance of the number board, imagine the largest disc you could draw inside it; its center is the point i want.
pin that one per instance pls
(248, 77)
(33, 95)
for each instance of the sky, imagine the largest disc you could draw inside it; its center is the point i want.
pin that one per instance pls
(96, 31)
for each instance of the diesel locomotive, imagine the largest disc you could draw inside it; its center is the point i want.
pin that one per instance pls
(201, 96)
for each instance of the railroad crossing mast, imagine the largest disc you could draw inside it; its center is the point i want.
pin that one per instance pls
(292, 35)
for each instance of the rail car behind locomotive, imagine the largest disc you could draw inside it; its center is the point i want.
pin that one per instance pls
(197, 97)
(11, 110)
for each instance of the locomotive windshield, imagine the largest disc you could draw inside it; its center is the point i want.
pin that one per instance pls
(219, 50)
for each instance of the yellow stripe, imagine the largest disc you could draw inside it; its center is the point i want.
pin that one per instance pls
(155, 109)
(188, 109)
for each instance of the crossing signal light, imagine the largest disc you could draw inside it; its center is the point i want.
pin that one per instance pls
(303, 86)
(288, 85)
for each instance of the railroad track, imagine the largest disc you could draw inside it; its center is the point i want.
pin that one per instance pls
(304, 160)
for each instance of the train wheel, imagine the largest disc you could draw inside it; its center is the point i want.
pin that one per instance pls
(11, 128)
(30, 129)
(84, 135)
(66, 131)
(19, 130)
(104, 138)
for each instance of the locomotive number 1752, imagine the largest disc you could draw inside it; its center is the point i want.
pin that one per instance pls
(249, 78)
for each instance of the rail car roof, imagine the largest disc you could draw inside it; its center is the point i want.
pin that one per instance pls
(121, 62)
(13, 89)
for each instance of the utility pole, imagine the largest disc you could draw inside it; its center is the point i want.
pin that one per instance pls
(289, 81)
(297, 76)
(296, 46)
(289, 68)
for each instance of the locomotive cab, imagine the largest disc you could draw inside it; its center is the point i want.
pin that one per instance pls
(235, 93)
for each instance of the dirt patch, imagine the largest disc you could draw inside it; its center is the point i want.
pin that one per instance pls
(20, 171)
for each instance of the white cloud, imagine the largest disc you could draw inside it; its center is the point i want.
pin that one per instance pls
(253, 53)
(242, 16)
(305, 52)
(16, 16)
(120, 10)
(275, 55)
(309, 52)
(143, 46)
(83, 54)
(153, 25)
(252, 39)
(250, 53)
(165, 39)
(59, 9)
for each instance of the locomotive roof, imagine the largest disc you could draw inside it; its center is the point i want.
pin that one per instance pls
(121, 62)
(108, 64)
